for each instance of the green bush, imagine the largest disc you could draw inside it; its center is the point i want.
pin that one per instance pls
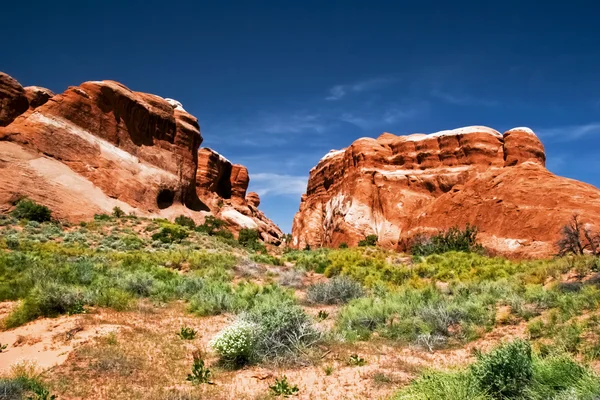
(283, 388)
(338, 290)
(213, 298)
(343, 245)
(118, 212)
(211, 225)
(505, 372)
(185, 221)
(443, 385)
(509, 372)
(30, 210)
(48, 299)
(102, 217)
(171, 234)
(250, 239)
(454, 239)
(370, 240)
(139, 284)
(224, 234)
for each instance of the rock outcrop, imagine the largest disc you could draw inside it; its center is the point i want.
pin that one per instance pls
(222, 188)
(13, 100)
(398, 186)
(101, 145)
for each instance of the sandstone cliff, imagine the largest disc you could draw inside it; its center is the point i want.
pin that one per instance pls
(101, 145)
(222, 187)
(398, 186)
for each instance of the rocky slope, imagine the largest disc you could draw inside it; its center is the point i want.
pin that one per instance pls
(101, 145)
(398, 186)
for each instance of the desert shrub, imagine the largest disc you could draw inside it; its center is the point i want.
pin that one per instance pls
(250, 239)
(443, 385)
(343, 245)
(48, 299)
(211, 225)
(236, 343)
(6, 220)
(30, 210)
(12, 389)
(117, 212)
(510, 371)
(370, 240)
(101, 217)
(283, 388)
(555, 373)
(200, 373)
(187, 333)
(139, 284)
(185, 221)
(506, 371)
(283, 329)
(317, 260)
(338, 290)
(170, 234)
(454, 239)
(291, 278)
(112, 297)
(266, 259)
(224, 234)
(213, 298)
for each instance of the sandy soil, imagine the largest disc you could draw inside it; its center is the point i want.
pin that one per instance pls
(57, 346)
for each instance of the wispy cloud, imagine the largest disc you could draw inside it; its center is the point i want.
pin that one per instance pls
(462, 99)
(374, 118)
(570, 133)
(292, 123)
(339, 91)
(269, 129)
(278, 184)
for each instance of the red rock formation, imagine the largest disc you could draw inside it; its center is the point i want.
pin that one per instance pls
(222, 187)
(37, 96)
(398, 186)
(13, 101)
(101, 145)
(253, 199)
(133, 146)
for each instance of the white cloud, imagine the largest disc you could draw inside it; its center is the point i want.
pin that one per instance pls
(339, 91)
(569, 133)
(277, 184)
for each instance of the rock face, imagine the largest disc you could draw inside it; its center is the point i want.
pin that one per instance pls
(222, 186)
(101, 145)
(13, 101)
(398, 186)
(37, 96)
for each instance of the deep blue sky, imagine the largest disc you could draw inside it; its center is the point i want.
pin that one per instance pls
(277, 84)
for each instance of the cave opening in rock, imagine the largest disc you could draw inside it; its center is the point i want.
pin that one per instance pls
(165, 198)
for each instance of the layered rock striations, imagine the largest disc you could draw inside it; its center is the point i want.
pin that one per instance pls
(398, 186)
(101, 145)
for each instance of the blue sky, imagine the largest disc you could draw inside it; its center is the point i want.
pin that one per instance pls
(277, 84)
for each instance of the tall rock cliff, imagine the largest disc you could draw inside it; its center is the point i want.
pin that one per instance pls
(398, 186)
(101, 145)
